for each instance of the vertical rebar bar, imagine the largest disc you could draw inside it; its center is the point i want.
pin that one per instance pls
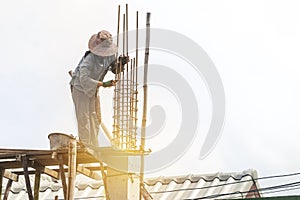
(122, 85)
(125, 108)
(134, 103)
(116, 100)
(127, 103)
(136, 69)
(124, 34)
(130, 105)
(137, 39)
(127, 115)
(126, 29)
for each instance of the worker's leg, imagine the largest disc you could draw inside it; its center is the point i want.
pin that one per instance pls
(82, 108)
(94, 124)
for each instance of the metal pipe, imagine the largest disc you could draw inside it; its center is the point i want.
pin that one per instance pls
(143, 131)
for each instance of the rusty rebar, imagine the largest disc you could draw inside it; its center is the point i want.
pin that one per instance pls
(116, 100)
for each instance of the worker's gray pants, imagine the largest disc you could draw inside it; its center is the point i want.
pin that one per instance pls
(87, 124)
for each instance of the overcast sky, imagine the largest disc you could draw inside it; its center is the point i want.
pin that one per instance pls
(255, 46)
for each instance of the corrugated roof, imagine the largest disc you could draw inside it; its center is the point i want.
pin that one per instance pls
(211, 186)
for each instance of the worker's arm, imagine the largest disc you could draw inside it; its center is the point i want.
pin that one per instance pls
(107, 83)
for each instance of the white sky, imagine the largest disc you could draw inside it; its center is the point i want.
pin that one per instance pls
(255, 46)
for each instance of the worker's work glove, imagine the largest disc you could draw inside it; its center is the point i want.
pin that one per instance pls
(119, 66)
(109, 83)
(123, 59)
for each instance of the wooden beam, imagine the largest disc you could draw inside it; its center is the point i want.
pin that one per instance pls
(7, 190)
(104, 177)
(1, 179)
(83, 170)
(10, 164)
(62, 174)
(19, 173)
(10, 175)
(50, 172)
(37, 181)
(72, 170)
(26, 176)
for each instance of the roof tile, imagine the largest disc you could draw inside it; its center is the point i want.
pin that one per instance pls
(212, 186)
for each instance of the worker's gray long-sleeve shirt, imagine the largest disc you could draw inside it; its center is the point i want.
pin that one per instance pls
(89, 71)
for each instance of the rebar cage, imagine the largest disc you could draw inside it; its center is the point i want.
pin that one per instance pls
(125, 107)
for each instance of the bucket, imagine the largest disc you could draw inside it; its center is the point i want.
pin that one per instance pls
(59, 140)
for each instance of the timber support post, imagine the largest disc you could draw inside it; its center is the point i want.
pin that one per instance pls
(62, 174)
(8, 186)
(72, 169)
(24, 161)
(1, 180)
(37, 181)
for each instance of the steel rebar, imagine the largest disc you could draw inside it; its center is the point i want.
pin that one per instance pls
(116, 78)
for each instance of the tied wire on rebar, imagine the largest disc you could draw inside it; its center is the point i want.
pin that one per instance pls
(125, 97)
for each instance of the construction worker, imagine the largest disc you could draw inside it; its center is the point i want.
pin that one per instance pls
(88, 78)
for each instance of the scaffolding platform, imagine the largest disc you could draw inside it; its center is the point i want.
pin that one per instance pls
(54, 163)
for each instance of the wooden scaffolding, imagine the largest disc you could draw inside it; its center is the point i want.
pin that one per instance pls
(55, 163)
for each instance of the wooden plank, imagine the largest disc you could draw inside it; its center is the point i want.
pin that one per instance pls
(48, 161)
(36, 165)
(51, 172)
(10, 165)
(21, 151)
(19, 173)
(45, 158)
(95, 168)
(7, 190)
(83, 170)
(26, 176)
(109, 151)
(17, 164)
(37, 181)
(30, 152)
(10, 175)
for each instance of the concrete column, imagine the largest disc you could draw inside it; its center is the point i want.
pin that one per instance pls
(122, 178)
